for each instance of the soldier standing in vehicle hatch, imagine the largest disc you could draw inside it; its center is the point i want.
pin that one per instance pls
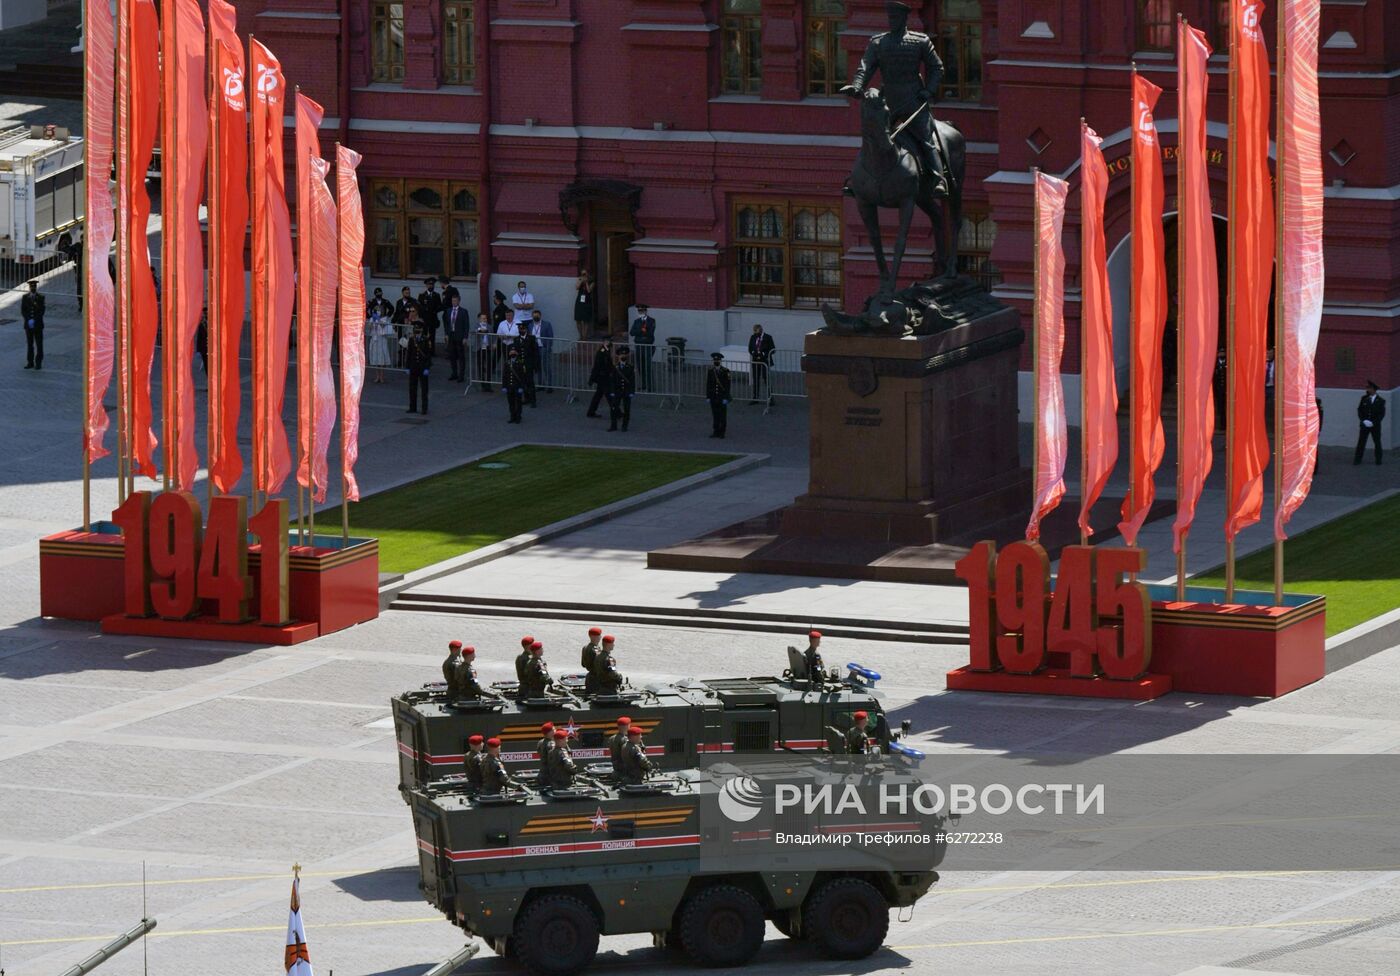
(542, 749)
(617, 744)
(813, 655)
(636, 767)
(523, 658)
(494, 778)
(449, 667)
(561, 769)
(537, 681)
(590, 650)
(857, 739)
(473, 761)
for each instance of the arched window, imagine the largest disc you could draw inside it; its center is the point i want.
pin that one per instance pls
(826, 62)
(959, 43)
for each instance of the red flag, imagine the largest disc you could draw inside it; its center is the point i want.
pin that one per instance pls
(1099, 426)
(324, 274)
(185, 139)
(1301, 271)
(1149, 310)
(352, 313)
(141, 77)
(308, 145)
(1052, 435)
(272, 272)
(1252, 244)
(99, 35)
(1198, 307)
(228, 223)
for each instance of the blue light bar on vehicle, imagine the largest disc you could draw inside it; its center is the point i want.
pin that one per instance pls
(861, 674)
(904, 750)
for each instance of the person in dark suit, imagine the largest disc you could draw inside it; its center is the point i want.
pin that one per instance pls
(500, 310)
(1370, 412)
(456, 329)
(448, 290)
(643, 334)
(1218, 388)
(404, 303)
(622, 389)
(717, 392)
(31, 310)
(379, 303)
(419, 360)
(430, 309)
(1317, 455)
(529, 345)
(601, 376)
(761, 349)
(543, 330)
(513, 383)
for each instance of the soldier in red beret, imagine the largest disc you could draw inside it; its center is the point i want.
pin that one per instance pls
(635, 764)
(494, 777)
(617, 742)
(857, 739)
(536, 682)
(589, 653)
(813, 656)
(473, 761)
(523, 658)
(449, 667)
(561, 770)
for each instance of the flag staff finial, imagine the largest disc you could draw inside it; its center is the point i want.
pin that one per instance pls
(296, 871)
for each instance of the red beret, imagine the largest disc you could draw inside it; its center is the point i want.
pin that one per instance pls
(547, 728)
(475, 740)
(816, 635)
(634, 730)
(594, 631)
(454, 645)
(861, 715)
(609, 639)
(494, 742)
(526, 641)
(536, 647)
(561, 733)
(469, 649)
(624, 720)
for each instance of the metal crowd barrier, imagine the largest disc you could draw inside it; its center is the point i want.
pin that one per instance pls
(566, 365)
(57, 276)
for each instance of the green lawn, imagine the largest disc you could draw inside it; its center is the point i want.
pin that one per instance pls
(473, 505)
(1353, 561)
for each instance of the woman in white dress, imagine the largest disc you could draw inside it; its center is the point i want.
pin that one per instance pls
(380, 332)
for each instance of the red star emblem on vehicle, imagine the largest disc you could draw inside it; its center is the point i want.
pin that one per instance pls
(571, 728)
(598, 821)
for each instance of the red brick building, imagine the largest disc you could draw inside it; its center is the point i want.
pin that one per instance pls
(691, 152)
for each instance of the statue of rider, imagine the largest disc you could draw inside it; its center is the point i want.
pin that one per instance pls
(898, 55)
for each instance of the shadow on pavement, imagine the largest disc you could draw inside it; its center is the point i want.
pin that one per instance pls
(386, 884)
(79, 652)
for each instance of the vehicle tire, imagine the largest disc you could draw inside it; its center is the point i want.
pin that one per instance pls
(556, 935)
(721, 926)
(846, 918)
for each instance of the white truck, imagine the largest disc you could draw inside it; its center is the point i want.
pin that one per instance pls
(41, 191)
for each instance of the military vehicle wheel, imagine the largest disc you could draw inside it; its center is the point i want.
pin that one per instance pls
(722, 926)
(556, 935)
(783, 923)
(846, 918)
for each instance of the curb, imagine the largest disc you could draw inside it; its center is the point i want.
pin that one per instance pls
(389, 591)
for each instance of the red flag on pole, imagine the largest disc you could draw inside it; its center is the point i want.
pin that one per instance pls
(352, 313)
(1198, 307)
(324, 273)
(185, 136)
(99, 87)
(230, 225)
(272, 272)
(308, 146)
(1099, 425)
(1301, 273)
(1149, 317)
(1252, 251)
(1052, 435)
(142, 79)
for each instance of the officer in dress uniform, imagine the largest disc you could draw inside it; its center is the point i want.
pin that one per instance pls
(473, 761)
(542, 748)
(635, 764)
(31, 312)
(1369, 413)
(523, 658)
(430, 308)
(449, 667)
(561, 771)
(857, 739)
(601, 376)
(513, 383)
(419, 360)
(717, 386)
(617, 742)
(537, 680)
(621, 390)
(494, 778)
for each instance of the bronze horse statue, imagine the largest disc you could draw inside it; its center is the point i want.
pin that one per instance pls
(887, 175)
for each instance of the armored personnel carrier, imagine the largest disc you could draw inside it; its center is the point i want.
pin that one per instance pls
(791, 713)
(541, 877)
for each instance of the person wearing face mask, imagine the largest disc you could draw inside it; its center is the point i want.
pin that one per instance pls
(523, 303)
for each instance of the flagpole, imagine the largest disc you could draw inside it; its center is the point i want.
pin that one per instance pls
(214, 317)
(123, 244)
(1230, 370)
(1035, 338)
(259, 228)
(1281, 333)
(1180, 300)
(1134, 252)
(340, 336)
(303, 281)
(80, 281)
(1083, 346)
(311, 285)
(169, 218)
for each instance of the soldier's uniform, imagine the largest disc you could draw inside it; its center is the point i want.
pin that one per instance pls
(899, 56)
(467, 684)
(472, 762)
(561, 769)
(449, 667)
(494, 777)
(536, 678)
(617, 742)
(523, 658)
(635, 764)
(543, 749)
(857, 737)
(609, 679)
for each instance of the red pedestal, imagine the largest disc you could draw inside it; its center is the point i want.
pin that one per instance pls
(1058, 681)
(329, 589)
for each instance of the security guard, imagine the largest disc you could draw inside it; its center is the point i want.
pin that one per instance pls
(523, 658)
(857, 739)
(473, 761)
(617, 742)
(430, 308)
(542, 748)
(449, 667)
(31, 312)
(636, 767)
(813, 655)
(513, 383)
(467, 685)
(494, 778)
(717, 386)
(561, 769)
(537, 681)
(621, 390)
